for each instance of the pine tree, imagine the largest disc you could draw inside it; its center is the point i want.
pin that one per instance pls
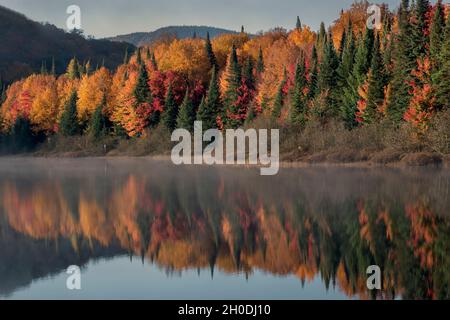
(142, 91)
(327, 79)
(298, 108)
(298, 25)
(342, 44)
(313, 76)
(358, 76)
(279, 99)
(87, 68)
(73, 71)
(169, 117)
(210, 109)
(44, 68)
(210, 53)
(154, 63)
(387, 43)
(68, 125)
(376, 82)
(418, 35)
(187, 115)
(138, 56)
(231, 95)
(98, 126)
(248, 76)
(441, 79)
(260, 64)
(22, 135)
(404, 62)
(126, 58)
(143, 95)
(347, 59)
(322, 34)
(437, 34)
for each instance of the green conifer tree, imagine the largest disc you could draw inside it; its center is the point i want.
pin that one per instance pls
(279, 98)
(376, 82)
(68, 125)
(187, 114)
(260, 64)
(441, 79)
(231, 94)
(98, 126)
(169, 117)
(210, 53)
(212, 108)
(298, 108)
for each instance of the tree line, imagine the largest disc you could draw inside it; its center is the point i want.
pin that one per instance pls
(397, 73)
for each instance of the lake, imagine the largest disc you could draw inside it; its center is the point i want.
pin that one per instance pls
(145, 229)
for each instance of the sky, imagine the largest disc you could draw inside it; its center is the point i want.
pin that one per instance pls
(103, 18)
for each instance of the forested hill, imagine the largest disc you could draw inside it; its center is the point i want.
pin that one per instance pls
(26, 45)
(180, 32)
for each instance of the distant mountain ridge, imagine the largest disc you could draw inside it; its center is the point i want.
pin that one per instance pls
(180, 32)
(26, 45)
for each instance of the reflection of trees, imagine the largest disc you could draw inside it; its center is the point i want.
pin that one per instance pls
(214, 220)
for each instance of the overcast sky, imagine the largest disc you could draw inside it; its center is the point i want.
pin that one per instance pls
(103, 18)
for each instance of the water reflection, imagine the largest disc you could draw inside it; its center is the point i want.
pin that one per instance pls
(329, 223)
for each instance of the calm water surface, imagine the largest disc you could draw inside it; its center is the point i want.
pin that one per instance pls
(148, 230)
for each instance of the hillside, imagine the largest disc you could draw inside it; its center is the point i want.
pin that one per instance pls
(26, 44)
(180, 32)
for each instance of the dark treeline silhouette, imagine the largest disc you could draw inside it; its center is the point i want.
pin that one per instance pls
(29, 46)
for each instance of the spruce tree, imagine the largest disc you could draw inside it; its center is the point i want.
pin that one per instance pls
(418, 36)
(138, 56)
(298, 108)
(169, 117)
(98, 125)
(441, 79)
(298, 25)
(212, 108)
(327, 79)
(126, 58)
(73, 71)
(231, 95)
(279, 99)
(260, 64)
(143, 94)
(154, 63)
(210, 53)
(313, 76)
(44, 68)
(68, 125)
(187, 115)
(404, 61)
(22, 135)
(387, 43)
(437, 34)
(248, 74)
(376, 81)
(357, 77)
(348, 58)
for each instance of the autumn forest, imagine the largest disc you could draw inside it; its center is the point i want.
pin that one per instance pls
(380, 93)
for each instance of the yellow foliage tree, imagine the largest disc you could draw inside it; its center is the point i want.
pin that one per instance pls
(91, 92)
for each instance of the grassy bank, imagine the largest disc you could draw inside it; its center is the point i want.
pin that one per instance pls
(316, 142)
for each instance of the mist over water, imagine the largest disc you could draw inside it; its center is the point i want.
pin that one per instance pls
(147, 229)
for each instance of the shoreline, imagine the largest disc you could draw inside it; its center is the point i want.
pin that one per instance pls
(423, 160)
